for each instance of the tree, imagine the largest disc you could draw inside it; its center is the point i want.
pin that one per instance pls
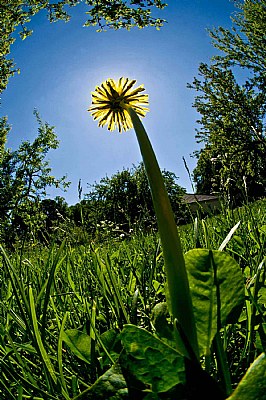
(112, 13)
(125, 199)
(25, 175)
(245, 45)
(55, 213)
(233, 113)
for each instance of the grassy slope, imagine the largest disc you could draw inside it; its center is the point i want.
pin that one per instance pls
(95, 289)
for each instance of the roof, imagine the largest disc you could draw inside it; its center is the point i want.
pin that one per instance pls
(199, 198)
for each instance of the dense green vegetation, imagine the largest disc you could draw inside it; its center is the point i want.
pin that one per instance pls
(114, 206)
(63, 308)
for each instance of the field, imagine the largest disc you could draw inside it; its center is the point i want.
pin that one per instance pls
(71, 317)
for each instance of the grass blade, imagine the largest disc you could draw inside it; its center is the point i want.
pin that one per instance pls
(45, 358)
(228, 237)
(55, 264)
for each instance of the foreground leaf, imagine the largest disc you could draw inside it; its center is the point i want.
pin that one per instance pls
(79, 343)
(149, 360)
(111, 385)
(217, 289)
(253, 384)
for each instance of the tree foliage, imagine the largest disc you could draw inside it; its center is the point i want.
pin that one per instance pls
(25, 175)
(231, 96)
(124, 199)
(55, 224)
(16, 14)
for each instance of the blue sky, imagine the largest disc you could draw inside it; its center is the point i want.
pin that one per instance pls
(61, 63)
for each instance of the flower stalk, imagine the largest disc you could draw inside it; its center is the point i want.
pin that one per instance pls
(177, 280)
(118, 105)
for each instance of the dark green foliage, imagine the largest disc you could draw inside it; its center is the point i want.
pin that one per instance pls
(125, 200)
(115, 206)
(231, 101)
(124, 13)
(55, 217)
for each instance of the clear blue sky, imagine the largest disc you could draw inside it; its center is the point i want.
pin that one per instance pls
(61, 64)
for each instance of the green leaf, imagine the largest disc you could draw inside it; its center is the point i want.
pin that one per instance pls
(110, 338)
(253, 384)
(79, 343)
(111, 385)
(217, 290)
(151, 361)
(262, 295)
(110, 345)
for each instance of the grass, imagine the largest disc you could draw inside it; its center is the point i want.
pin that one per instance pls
(247, 247)
(62, 309)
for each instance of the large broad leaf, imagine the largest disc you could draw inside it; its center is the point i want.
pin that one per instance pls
(111, 343)
(79, 343)
(217, 290)
(150, 361)
(111, 385)
(253, 384)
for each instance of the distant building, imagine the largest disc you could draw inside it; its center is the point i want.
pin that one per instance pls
(204, 202)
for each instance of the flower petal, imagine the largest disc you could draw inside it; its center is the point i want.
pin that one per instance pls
(109, 102)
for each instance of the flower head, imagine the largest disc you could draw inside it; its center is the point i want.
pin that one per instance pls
(111, 100)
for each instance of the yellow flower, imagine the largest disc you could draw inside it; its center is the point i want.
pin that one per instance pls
(111, 100)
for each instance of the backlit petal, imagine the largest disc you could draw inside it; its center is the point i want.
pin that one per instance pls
(109, 102)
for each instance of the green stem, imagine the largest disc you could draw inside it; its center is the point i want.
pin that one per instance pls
(176, 274)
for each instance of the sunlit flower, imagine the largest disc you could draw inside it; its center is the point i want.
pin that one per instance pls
(111, 100)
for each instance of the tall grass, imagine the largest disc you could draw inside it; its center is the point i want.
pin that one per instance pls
(247, 339)
(62, 308)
